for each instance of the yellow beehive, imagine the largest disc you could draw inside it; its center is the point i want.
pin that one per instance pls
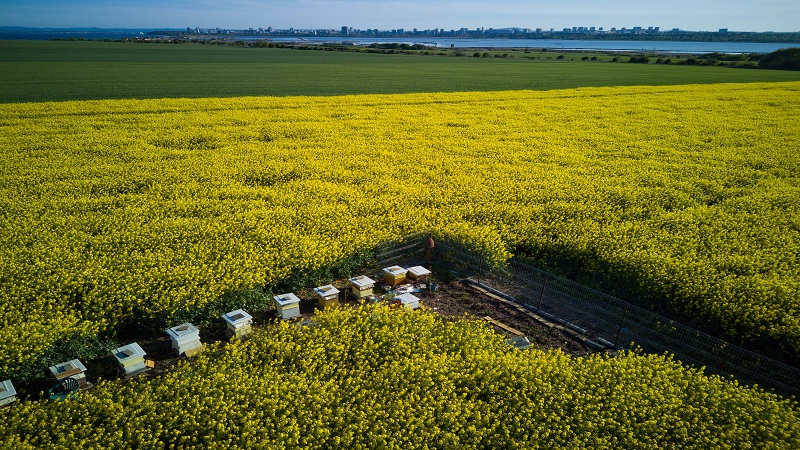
(361, 286)
(327, 296)
(239, 323)
(394, 275)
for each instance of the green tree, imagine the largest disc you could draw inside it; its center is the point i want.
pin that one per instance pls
(783, 59)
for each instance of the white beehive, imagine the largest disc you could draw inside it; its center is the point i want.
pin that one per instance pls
(409, 301)
(130, 358)
(71, 369)
(361, 286)
(239, 323)
(394, 275)
(8, 394)
(185, 339)
(327, 295)
(287, 306)
(418, 273)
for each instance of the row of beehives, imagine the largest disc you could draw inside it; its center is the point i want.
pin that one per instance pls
(71, 375)
(186, 337)
(361, 287)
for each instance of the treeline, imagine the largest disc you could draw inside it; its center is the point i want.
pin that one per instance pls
(746, 61)
(783, 59)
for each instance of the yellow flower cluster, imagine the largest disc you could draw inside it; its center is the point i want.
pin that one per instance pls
(112, 209)
(377, 377)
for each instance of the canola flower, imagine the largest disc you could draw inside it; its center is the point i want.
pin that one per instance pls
(687, 196)
(378, 377)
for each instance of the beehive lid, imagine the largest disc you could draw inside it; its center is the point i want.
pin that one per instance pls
(326, 291)
(236, 317)
(7, 389)
(128, 351)
(418, 271)
(69, 366)
(395, 270)
(286, 299)
(183, 329)
(407, 298)
(362, 281)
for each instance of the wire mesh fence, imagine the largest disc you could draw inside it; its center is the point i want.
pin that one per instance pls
(606, 320)
(406, 248)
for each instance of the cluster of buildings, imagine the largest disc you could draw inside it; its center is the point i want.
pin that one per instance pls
(435, 32)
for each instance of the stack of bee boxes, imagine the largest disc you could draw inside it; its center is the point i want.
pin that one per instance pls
(361, 286)
(287, 306)
(328, 296)
(185, 339)
(130, 359)
(239, 323)
(394, 275)
(71, 369)
(408, 301)
(8, 394)
(418, 274)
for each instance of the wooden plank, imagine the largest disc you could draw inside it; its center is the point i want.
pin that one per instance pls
(68, 373)
(499, 324)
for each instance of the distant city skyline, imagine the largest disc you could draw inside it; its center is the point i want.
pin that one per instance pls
(697, 15)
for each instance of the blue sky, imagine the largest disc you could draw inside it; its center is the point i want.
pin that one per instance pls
(738, 15)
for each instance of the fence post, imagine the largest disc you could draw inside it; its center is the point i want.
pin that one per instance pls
(480, 268)
(619, 329)
(541, 294)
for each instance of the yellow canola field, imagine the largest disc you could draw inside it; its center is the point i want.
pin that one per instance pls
(685, 196)
(381, 378)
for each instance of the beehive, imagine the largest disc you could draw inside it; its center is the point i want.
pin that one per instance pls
(394, 275)
(287, 306)
(239, 323)
(8, 394)
(130, 358)
(71, 369)
(361, 286)
(327, 296)
(185, 339)
(408, 301)
(418, 273)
